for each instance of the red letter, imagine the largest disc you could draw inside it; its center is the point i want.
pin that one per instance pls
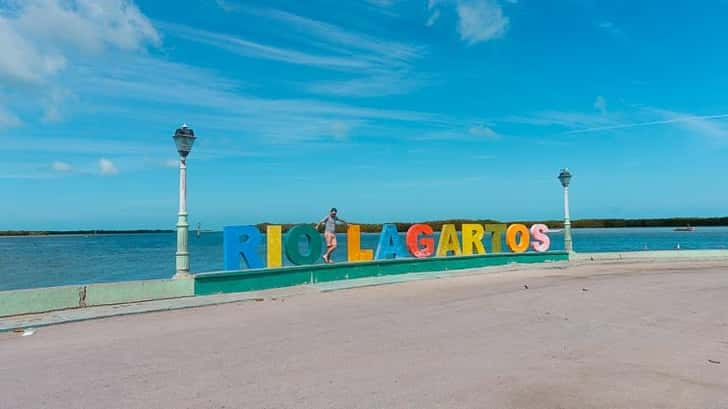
(414, 241)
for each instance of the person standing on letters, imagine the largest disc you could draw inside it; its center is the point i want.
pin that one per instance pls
(330, 232)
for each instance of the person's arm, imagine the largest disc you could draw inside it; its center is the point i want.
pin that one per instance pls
(338, 219)
(318, 225)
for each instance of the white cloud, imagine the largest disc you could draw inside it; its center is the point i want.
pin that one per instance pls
(62, 167)
(600, 104)
(478, 20)
(107, 167)
(481, 20)
(39, 37)
(481, 131)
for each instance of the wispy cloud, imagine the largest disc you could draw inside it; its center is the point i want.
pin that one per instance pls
(611, 29)
(225, 105)
(378, 84)
(433, 18)
(8, 119)
(562, 119)
(61, 167)
(381, 3)
(254, 49)
(482, 131)
(701, 124)
(377, 66)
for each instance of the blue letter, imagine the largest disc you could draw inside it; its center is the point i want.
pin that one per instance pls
(242, 241)
(390, 245)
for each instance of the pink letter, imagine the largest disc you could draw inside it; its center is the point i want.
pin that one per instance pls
(540, 241)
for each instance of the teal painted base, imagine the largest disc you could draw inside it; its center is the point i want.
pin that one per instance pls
(261, 279)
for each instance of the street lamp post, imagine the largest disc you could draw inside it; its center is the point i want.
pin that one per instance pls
(565, 178)
(184, 137)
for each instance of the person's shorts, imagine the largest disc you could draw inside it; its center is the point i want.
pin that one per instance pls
(330, 239)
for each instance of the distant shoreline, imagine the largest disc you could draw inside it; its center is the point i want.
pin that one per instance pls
(436, 225)
(41, 233)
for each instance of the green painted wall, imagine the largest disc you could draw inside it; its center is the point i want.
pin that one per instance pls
(260, 279)
(39, 299)
(134, 291)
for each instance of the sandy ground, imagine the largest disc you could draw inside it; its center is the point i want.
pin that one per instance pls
(640, 335)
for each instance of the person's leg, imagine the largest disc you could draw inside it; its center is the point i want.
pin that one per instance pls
(330, 246)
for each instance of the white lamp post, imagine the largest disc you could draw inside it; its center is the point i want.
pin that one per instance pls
(184, 137)
(565, 178)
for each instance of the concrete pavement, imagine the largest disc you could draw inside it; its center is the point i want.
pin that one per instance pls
(621, 335)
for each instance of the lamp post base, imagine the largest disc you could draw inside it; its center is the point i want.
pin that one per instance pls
(182, 275)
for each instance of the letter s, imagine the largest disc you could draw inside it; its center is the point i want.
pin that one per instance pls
(540, 241)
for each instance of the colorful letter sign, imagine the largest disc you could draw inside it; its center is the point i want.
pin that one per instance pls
(302, 244)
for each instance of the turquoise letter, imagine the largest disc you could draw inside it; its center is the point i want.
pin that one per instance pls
(390, 245)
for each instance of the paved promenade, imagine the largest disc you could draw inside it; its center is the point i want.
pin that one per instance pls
(626, 335)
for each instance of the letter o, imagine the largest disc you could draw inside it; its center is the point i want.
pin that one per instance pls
(313, 239)
(512, 238)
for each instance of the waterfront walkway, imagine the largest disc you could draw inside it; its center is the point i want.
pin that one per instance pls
(620, 335)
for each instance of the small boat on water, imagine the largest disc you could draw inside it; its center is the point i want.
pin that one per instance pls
(685, 228)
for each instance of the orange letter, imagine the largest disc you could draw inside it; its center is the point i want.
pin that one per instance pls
(517, 246)
(414, 242)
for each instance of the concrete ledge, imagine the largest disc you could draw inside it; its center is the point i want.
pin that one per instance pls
(261, 279)
(653, 255)
(133, 291)
(35, 300)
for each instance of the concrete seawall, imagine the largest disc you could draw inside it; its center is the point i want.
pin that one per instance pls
(38, 300)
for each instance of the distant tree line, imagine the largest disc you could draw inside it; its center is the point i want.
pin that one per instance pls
(436, 225)
(75, 232)
(554, 224)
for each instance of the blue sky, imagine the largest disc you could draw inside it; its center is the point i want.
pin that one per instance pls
(387, 109)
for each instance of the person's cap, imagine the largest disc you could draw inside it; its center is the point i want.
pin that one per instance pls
(333, 209)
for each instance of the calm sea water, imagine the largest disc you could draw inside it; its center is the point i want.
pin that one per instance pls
(27, 262)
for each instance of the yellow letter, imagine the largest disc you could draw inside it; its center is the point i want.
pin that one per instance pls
(496, 238)
(473, 236)
(353, 245)
(273, 240)
(448, 241)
